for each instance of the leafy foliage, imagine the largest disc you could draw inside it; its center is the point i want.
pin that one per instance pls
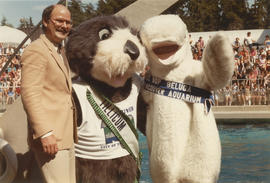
(81, 11)
(212, 15)
(4, 22)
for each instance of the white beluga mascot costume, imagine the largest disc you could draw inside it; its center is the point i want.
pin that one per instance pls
(182, 134)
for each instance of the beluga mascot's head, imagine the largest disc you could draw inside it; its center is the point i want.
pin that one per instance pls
(167, 47)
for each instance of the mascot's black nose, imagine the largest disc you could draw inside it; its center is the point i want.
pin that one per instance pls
(132, 50)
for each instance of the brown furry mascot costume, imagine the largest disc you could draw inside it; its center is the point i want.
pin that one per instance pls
(106, 55)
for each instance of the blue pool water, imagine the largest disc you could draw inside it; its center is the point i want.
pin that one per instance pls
(245, 154)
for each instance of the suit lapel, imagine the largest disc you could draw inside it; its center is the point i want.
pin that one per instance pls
(65, 61)
(62, 63)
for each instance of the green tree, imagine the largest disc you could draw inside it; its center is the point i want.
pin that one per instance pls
(110, 7)
(89, 11)
(198, 15)
(267, 18)
(104, 8)
(77, 12)
(233, 14)
(5, 23)
(209, 15)
(26, 23)
(257, 15)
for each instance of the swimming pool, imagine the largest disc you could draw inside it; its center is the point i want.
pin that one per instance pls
(245, 154)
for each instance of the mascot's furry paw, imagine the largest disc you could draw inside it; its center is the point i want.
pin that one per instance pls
(218, 61)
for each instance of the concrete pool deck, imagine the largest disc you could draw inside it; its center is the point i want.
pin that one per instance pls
(242, 114)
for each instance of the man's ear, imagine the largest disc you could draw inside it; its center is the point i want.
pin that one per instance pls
(45, 24)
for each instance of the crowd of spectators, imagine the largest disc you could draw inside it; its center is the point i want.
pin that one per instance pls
(10, 80)
(250, 83)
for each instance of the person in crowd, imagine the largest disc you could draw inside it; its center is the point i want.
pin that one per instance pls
(234, 78)
(260, 77)
(238, 55)
(1, 49)
(247, 95)
(253, 55)
(17, 90)
(267, 87)
(262, 95)
(216, 97)
(243, 78)
(235, 92)
(242, 94)
(253, 75)
(46, 95)
(197, 52)
(246, 55)
(262, 51)
(10, 94)
(228, 96)
(268, 54)
(262, 59)
(267, 40)
(266, 78)
(1, 92)
(254, 94)
(6, 51)
(239, 95)
(236, 45)
(249, 41)
(201, 42)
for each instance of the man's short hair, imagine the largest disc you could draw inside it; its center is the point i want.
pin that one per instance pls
(46, 15)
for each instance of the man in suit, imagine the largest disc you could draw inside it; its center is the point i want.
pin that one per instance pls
(46, 96)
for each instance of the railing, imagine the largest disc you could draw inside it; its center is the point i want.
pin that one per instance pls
(223, 97)
(244, 92)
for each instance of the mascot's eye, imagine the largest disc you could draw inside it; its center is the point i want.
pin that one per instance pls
(104, 34)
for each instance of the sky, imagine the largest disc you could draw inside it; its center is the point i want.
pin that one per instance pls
(13, 10)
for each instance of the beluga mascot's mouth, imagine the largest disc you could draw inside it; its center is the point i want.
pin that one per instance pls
(165, 49)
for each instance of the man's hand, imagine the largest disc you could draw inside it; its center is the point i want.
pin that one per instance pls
(49, 145)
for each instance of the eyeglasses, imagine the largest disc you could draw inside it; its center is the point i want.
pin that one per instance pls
(60, 22)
